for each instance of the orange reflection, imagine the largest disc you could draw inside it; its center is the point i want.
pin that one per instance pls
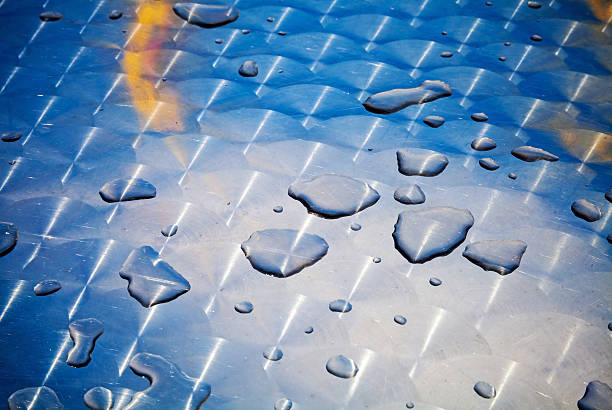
(142, 57)
(602, 9)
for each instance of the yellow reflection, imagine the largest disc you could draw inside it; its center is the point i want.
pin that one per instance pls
(602, 9)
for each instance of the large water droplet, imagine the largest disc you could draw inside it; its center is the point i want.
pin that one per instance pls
(342, 366)
(11, 136)
(597, 396)
(480, 117)
(119, 190)
(434, 121)
(115, 14)
(170, 387)
(586, 210)
(530, 154)
(98, 398)
(8, 237)
(169, 230)
(485, 390)
(392, 101)
(501, 256)
(283, 404)
(151, 280)
(50, 16)
(488, 163)
(47, 287)
(340, 306)
(206, 15)
(248, 69)
(243, 307)
(409, 194)
(83, 333)
(333, 196)
(400, 320)
(483, 144)
(283, 252)
(422, 235)
(422, 162)
(273, 353)
(35, 398)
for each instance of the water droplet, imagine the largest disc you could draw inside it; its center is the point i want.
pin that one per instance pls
(35, 398)
(530, 154)
(11, 136)
(597, 396)
(534, 4)
(501, 58)
(50, 16)
(435, 281)
(479, 117)
(270, 19)
(245, 31)
(273, 353)
(12, 162)
(488, 3)
(424, 163)
(243, 307)
(340, 306)
(151, 280)
(608, 195)
(206, 15)
(444, 33)
(610, 326)
(536, 37)
(47, 287)
(333, 196)
(376, 259)
(400, 320)
(485, 390)
(8, 237)
(341, 366)
(483, 144)
(309, 330)
(98, 398)
(586, 210)
(170, 388)
(282, 33)
(434, 121)
(409, 194)
(609, 238)
(115, 14)
(218, 41)
(501, 256)
(488, 163)
(83, 333)
(355, 226)
(283, 404)
(507, 44)
(388, 102)
(170, 230)
(410, 405)
(283, 252)
(119, 190)
(446, 54)
(278, 209)
(424, 234)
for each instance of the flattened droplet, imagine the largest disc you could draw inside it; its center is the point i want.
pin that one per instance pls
(483, 144)
(206, 15)
(84, 334)
(283, 404)
(333, 196)
(35, 398)
(424, 163)
(278, 209)
(151, 280)
(434, 121)
(512, 175)
(340, 306)
(484, 389)
(11, 136)
(597, 396)
(120, 190)
(446, 54)
(422, 235)
(248, 69)
(219, 41)
(400, 320)
(528, 153)
(47, 287)
(273, 353)
(341, 366)
(243, 307)
(170, 387)
(50, 16)
(488, 163)
(409, 194)
(410, 405)
(501, 256)
(376, 259)
(435, 281)
(115, 15)
(480, 117)
(170, 230)
(586, 210)
(283, 252)
(355, 226)
(392, 101)
(8, 237)
(98, 398)
(534, 4)
(536, 37)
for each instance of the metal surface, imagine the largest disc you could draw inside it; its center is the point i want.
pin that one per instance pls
(149, 96)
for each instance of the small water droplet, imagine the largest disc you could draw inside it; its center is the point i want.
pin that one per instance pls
(435, 281)
(483, 144)
(423, 162)
(120, 190)
(218, 41)
(8, 237)
(502, 58)
(280, 71)
(400, 320)
(47, 287)
(388, 102)
(206, 15)
(479, 117)
(609, 238)
(170, 230)
(341, 366)
(11, 136)
(610, 326)
(536, 37)
(501, 256)
(488, 163)
(340, 306)
(376, 259)
(270, 19)
(434, 121)
(444, 33)
(530, 154)
(98, 398)
(12, 162)
(273, 353)
(597, 396)
(485, 390)
(355, 226)
(115, 14)
(245, 31)
(278, 209)
(243, 307)
(282, 33)
(488, 3)
(446, 54)
(35, 398)
(309, 330)
(586, 210)
(608, 195)
(410, 405)
(534, 4)
(507, 44)
(283, 404)
(50, 16)
(409, 194)
(83, 333)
